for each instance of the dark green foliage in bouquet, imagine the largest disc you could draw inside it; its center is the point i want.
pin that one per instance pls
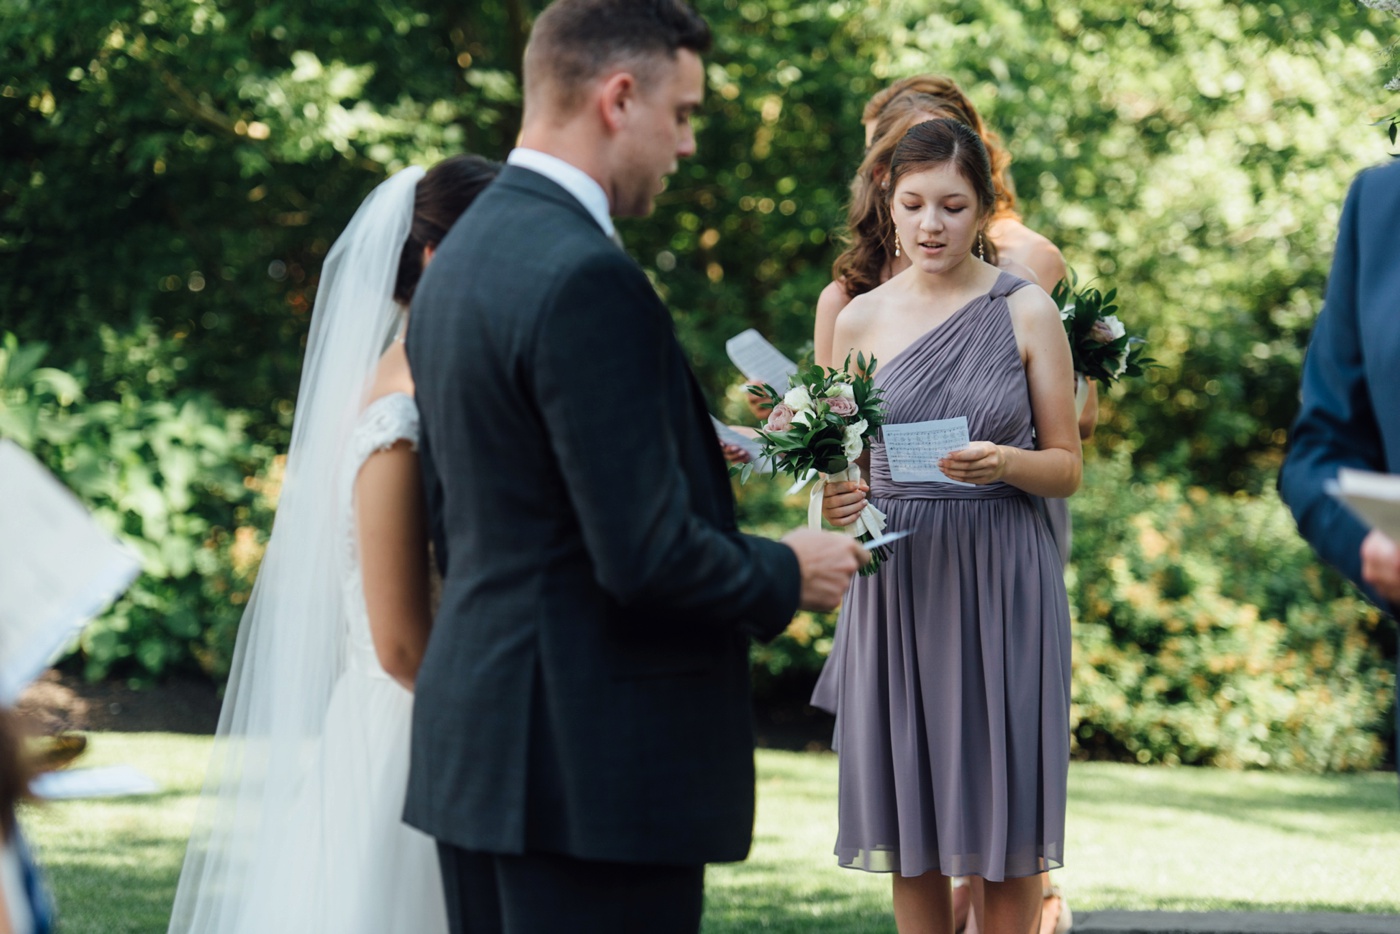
(1099, 343)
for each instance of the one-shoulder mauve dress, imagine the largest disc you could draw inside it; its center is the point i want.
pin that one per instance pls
(949, 675)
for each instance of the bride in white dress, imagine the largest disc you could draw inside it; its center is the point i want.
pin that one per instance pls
(299, 828)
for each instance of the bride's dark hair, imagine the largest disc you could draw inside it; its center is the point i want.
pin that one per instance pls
(869, 228)
(443, 194)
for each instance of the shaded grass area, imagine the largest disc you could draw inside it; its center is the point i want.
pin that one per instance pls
(1138, 838)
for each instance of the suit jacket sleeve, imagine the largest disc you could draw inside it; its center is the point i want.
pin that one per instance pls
(1336, 424)
(601, 358)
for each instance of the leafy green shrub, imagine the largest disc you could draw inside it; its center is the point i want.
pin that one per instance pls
(174, 478)
(1206, 632)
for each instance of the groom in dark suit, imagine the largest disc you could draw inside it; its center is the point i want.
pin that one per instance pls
(1350, 412)
(582, 742)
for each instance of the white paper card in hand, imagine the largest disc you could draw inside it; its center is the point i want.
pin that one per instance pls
(58, 568)
(915, 448)
(1373, 497)
(760, 361)
(728, 435)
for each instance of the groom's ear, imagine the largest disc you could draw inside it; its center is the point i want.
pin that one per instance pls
(616, 96)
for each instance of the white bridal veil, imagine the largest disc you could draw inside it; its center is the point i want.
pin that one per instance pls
(291, 642)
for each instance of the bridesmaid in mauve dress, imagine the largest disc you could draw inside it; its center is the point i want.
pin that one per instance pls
(951, 665)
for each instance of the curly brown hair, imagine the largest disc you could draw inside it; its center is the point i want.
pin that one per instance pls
(894, 111)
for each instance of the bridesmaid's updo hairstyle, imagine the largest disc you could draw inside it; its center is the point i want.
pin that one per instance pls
(936, 143)
(443, 194)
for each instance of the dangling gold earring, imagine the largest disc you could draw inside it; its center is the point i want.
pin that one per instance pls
(981, 246)
(896, 244)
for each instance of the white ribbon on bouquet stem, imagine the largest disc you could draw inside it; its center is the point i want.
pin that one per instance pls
(871, 521)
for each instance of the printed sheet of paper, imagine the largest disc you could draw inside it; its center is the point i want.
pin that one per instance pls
(1373, 497)
(759, 361)
(914, 449)
(58, 568)
(728, 435)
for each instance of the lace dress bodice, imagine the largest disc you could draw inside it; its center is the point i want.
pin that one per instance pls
(384, 422)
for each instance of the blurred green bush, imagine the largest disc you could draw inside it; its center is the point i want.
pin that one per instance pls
(169, 472)
(1207, 633)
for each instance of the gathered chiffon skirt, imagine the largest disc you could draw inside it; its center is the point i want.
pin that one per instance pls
(949, 677)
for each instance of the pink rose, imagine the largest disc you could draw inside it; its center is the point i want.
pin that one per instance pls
(780, 419)
(842, 406)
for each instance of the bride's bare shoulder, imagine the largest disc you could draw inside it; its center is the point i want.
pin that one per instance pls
(392, 374)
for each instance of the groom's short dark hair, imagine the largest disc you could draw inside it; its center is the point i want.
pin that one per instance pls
(575, 41)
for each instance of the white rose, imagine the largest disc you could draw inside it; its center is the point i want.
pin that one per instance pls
(803, 419)
(1067, 312)
(841, 391)
(798, 398)
(1122, 364)
(851, 443)
(1115, 327)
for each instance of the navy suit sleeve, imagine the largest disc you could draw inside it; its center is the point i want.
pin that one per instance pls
(601, 361)
(1336, 424)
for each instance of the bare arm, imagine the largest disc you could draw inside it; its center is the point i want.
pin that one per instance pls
(1054, 469)
(829, 304)
(5, 927)
(393, 536)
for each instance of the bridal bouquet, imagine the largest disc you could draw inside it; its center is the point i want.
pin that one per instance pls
(1099, 342)
(822, 424)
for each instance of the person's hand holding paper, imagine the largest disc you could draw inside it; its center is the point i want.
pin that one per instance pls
(1375, 499)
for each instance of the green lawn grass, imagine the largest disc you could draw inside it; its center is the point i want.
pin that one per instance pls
(1140, 838)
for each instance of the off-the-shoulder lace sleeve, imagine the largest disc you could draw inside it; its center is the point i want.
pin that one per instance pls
(384, 422)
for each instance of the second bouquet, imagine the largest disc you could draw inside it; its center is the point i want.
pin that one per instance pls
(821, 425)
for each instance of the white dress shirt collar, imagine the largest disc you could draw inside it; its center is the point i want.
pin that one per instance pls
(569, 177)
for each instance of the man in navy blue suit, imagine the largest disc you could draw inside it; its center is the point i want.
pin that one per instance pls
(1350, 413)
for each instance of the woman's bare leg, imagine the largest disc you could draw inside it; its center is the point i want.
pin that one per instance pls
(923, 904)
(1011, 907)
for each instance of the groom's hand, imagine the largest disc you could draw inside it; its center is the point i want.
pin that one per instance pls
(827, 561)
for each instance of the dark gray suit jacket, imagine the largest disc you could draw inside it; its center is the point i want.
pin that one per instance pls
(585, 689)
(1350, 411)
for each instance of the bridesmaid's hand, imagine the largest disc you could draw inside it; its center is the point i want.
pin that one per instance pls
(981, 462)
(734, 454)
(842, 501)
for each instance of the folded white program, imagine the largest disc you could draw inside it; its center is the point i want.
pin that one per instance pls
(58, 568)
(1373, 497)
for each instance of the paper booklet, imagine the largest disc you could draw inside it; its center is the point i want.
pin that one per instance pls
(1373, 497)
(58, 568)
(915, 448)
(759, 361)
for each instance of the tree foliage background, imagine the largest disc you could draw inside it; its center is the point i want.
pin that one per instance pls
(173, 171)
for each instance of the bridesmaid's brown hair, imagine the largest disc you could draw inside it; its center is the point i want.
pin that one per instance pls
(936, 143)
(894, 111)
